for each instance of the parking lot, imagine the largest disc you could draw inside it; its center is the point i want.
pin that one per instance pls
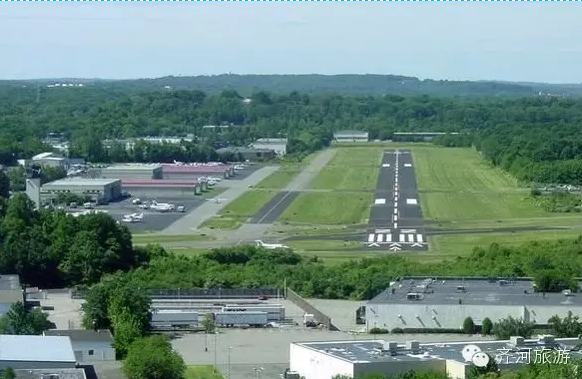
(152, 220)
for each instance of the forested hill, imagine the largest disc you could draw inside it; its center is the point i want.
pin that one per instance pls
(341, 84)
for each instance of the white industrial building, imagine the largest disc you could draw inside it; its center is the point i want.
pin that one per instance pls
(10, 292)
(100, 190)
(351, 136)
(50, 159)
(279, 145)
(130, 171)
(324, 360)
(445, 302)
(88, 345)
(36, 352)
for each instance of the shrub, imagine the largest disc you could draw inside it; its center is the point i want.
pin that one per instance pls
(379, 331)
(468, 326)
(487, 326)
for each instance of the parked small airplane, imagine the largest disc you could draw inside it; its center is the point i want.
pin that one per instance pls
(162, 207)
(136, 217)
(271, 246)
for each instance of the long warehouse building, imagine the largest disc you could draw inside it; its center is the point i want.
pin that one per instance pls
(99, 190)
(130, 171)
(169, 187)
(178, 172)
(445, 302)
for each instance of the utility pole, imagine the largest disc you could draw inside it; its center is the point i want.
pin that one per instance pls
(215, 350)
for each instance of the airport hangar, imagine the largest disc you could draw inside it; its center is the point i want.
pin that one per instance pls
(194, 171)
(351, 136)
(445, 302)
(164, 187)
(324, 360)
(129, 171)
(98, 190)
(279, 145)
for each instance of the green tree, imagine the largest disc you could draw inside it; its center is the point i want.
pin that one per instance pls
(476, 372)
(4, 185)
(208, 323)
(568, 327)
(20, 320)
(486, 326)
(8, 373)
(468, 326)
(126, 329)
(153, 358)
(509, 327)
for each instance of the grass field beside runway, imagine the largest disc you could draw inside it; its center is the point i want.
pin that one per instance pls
(235, 213)
(457, 184)
(354, 169)
(282, 177)
(340, 208)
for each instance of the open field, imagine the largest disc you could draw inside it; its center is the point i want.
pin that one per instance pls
(354, 169)
(282, 177)
(339, 208)
(202, 372)
(456, 184)
(240, 209)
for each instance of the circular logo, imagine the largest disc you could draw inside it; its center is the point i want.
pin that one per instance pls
(473, 354)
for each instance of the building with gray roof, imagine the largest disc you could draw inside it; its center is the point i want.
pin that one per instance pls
(351, 136)
(65, 373)
(445, 302)
(36, 352)
(279, 145)
(88, 344)
(10, 292)
(99, 190)
(324, 360)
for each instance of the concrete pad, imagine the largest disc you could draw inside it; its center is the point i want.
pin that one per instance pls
(380, 201)
(411, 202)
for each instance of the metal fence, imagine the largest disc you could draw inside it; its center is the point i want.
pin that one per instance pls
(319, 316)
(201, 293)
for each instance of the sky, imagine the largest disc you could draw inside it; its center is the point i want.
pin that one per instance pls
(513, 41)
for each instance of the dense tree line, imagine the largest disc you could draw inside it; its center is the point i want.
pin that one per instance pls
(53, 249)
(535, 138)
(344, 84)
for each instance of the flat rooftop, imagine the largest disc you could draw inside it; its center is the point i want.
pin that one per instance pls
(67, 373)
(135, 167)
(9, 282)
(377, 350)
(81, 182)
(36, 349)
(471, 291)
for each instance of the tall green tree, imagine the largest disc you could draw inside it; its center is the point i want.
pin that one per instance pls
(153, 358)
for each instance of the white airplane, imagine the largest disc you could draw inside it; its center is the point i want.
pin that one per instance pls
(162, 207)
(132, 218)
(271, 246)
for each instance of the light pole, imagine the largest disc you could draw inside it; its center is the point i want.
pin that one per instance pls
(258, 370)
(229, 350)
(206, 340)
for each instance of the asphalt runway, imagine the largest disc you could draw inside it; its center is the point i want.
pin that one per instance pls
(395, 221)
(152, 220)
(245, 172)
(271, 211)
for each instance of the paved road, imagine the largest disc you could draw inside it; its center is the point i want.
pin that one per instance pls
(196, 217)
(273, 209)
(396, 218)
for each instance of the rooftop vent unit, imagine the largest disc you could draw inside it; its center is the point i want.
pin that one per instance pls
(391, 347)
(516, 340)
(414, 296)
(413, 346)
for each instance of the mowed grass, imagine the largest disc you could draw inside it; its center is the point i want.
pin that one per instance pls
(353, 169)
(202, 372)
(341, 208)
(457, 184)
(281, 178)
(239, 210)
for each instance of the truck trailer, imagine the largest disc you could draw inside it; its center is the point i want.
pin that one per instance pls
(275, 312)
(241, 318)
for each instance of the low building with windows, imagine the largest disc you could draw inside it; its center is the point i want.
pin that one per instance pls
(99, 190)
(351, 136)
(88, 345)
(324, 360)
